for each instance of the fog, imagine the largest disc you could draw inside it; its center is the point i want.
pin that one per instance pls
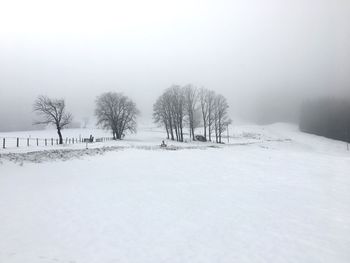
(244, 49)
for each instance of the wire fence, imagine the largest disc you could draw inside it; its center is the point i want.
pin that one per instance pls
(18, 142)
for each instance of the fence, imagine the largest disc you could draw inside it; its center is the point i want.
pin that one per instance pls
(17, 142)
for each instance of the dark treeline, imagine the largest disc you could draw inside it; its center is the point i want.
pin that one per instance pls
(187, 106)
(326, 117)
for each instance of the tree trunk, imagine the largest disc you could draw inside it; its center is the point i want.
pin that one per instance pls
(209, 125)
(167, 130)
(209, 131)
(171, 129)
(60, 136)
(118, 135)
(176, 133)
(181, 134)
(219, 132)
(172, 133)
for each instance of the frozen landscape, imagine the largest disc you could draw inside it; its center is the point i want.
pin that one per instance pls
(183, 131)
(273, 194)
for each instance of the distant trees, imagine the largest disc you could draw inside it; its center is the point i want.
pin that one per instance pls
(169, 111)
(117, 113)
(162, 115)
(179, 105)
(207, 98)
(326, 117)
(52, 111)
(191, 98)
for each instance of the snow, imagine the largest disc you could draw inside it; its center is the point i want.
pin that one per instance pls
(272, 195)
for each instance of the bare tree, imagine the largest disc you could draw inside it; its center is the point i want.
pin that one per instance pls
(221, 119)
(169, 111)
(175, 101)
(204, 107)
(161, 117)
(117, 113)
(210, 99)
(191, 98)
(52, 112)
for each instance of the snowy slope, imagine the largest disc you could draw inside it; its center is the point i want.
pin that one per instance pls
(273, 195)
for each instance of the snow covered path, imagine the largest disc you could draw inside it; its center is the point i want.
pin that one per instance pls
(268, 202)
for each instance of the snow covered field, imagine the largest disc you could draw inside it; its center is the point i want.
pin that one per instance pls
(272, 195)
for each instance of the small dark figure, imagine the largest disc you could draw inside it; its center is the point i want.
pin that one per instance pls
(91, 139)
(200, 138)
(163, 144)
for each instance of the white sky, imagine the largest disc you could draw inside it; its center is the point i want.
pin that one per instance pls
(78, 49)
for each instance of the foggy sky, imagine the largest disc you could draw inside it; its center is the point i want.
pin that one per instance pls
(79, 49)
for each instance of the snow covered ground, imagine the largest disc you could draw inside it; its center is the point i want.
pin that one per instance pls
(272, 195)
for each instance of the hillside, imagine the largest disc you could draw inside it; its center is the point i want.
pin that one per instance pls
(272, 194)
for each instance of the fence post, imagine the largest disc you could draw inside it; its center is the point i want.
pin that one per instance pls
(45, 142)
(37, 142)
(28, 142)
(73, 140)
(17, 142)
(57, 141)
(66, 140)
(3, 143)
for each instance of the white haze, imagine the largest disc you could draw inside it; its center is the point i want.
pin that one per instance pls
(242, 49)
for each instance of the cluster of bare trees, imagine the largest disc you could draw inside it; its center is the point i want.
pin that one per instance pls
(169, 110)
(189, 106)
(114, 112)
